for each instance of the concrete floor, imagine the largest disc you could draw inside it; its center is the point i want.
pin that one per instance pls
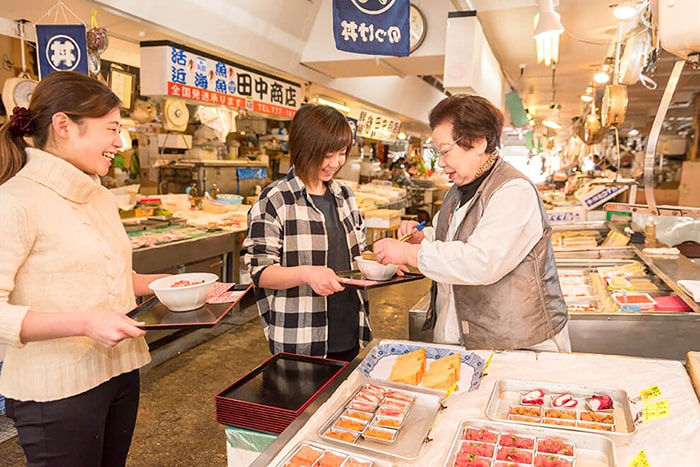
(176, 423)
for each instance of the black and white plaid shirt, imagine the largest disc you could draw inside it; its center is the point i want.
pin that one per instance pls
(285, 228)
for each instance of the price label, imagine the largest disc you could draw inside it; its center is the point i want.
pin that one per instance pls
(655, 411)
(488, 362)
(650, 393)
(640, 460)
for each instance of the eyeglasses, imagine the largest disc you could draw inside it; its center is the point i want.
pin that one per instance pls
(442, 152)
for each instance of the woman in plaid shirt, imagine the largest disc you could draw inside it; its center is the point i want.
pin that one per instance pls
(301, 230)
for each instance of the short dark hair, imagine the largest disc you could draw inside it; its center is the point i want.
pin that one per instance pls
(316, 130)
(472, 118)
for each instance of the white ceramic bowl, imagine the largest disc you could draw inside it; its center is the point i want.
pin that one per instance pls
(187, 297)
(376, 271)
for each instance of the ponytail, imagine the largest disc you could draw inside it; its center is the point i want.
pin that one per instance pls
(12, 144)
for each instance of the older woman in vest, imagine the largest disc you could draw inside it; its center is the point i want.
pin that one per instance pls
(489, 251)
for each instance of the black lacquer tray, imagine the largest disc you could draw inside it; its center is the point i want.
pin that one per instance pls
(272, 395)
(155, 315)
(355, 278)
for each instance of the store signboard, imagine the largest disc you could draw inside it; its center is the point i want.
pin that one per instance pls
(169, 69)
(373, 27)
(61, 47)
(377, 126)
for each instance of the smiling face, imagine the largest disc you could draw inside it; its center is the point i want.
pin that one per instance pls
(331, 164)
(93, 143)
(459, 164)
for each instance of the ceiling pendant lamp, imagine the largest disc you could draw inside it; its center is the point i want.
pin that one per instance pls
(548, 28)
(552, 119)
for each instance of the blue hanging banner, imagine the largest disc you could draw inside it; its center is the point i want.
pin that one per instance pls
(61, 47)
(372, 27)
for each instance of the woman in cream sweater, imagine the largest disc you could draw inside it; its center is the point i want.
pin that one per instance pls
(70, 375)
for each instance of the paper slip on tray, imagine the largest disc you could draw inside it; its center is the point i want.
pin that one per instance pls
(279, 389)
(379, 361)
(404, 441)
(226, 292)
(618, 423)
(530, 445)
(356, 279)
(306, 453)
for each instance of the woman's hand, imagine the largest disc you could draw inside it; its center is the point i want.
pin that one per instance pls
(109, 328)
(322, 280)
(409, 227)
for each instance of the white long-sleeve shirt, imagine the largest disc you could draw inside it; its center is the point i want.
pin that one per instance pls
(510, 227)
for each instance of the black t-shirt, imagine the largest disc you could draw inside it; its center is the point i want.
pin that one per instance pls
(343, 307)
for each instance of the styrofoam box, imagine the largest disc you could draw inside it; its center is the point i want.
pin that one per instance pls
(382, 218)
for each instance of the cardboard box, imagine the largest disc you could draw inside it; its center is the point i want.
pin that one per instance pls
(566, 214)
(592, 196)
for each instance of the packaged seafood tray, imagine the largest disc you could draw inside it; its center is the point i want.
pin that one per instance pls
(578, 294)
(634, 301)
(600, 410)
(306, 454)
(495, 444)
(384, 419)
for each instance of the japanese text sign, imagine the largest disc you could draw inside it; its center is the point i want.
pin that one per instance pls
(61, 47)
(373, 27)
(377, 126)
(179, 71)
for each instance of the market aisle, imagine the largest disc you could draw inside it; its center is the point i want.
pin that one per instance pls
(177, 424)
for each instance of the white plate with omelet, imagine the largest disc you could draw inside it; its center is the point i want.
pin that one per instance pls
(382, 360)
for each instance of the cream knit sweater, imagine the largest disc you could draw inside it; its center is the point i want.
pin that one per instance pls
(63, 250)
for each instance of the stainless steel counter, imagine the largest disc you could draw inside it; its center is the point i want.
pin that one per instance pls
(641, 334)
(220, 251)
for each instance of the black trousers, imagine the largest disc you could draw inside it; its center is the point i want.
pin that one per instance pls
(87, 430)
(346, 356)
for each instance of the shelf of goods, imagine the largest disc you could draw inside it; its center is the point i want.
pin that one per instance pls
(371, 196)
(611, 416)
(621, 300)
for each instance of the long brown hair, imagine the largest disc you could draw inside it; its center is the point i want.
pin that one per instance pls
(316, 130)
(75, 94)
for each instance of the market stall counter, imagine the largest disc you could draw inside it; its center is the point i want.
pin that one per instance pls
(653, 412)
(181, 248)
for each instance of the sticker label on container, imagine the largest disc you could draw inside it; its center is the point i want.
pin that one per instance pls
(640, 460)
(650, 393)
(655, 411)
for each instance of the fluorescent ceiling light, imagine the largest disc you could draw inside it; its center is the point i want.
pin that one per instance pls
(625, 10)
(331, 103)
(548, 28)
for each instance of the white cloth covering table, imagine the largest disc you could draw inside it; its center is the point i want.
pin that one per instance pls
(674, 440)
